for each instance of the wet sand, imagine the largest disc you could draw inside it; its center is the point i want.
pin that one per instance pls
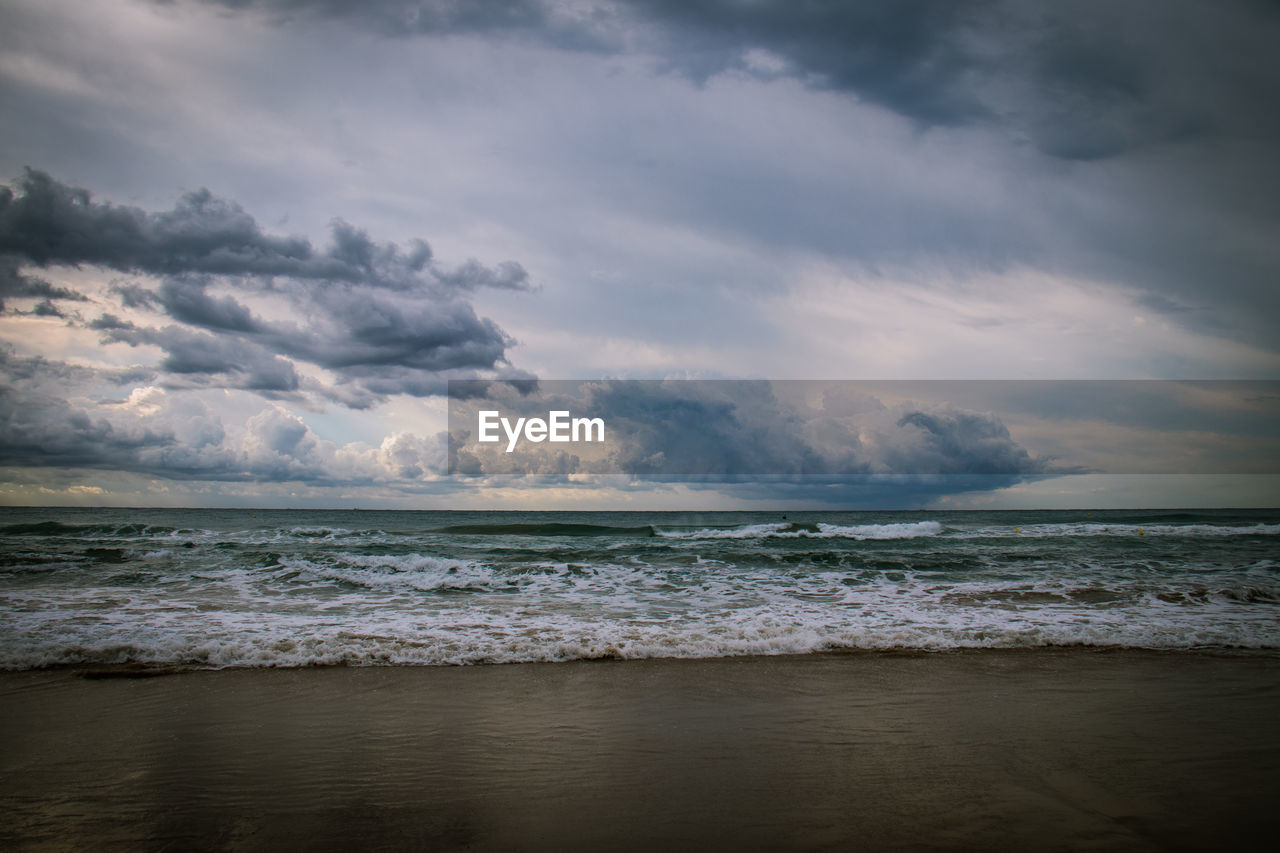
(1012, 750)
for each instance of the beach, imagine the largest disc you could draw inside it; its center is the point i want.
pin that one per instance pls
(993, 749)
(639, 426)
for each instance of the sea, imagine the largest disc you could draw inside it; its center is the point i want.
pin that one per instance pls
(215, 588)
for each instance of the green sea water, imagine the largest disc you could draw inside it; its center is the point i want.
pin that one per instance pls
(223, 587)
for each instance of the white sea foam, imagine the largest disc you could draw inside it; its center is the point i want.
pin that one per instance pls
(1090, 529)
(414, 571)
(547, 638)
(820, 530)
(288, 594)
(565, 612)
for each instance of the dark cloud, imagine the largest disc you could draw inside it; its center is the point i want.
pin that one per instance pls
(188, 301)
(187, 353)
(595, 27)
(388, 321)
(472, 275)
(901, 54)
(736, 431)
(379, 352)
(385, 343)
(51, 223)
(40, 426)
(46, 308)
(740, 439)
(35, 371)
(1083, 81)
(1162, 111)
(411, 16)
(703, 428)
(951, 442)
(135, 295)
(821, 433)
(911, 56)
(1153, 122)
(15, 285)
(381, 332)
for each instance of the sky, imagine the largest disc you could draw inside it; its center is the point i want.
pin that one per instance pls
(246, 244)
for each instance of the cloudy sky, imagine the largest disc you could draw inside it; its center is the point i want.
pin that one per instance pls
(244, 244)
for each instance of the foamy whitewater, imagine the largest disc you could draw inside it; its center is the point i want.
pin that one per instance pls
(218, 588)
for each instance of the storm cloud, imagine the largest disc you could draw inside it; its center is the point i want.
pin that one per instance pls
(737, 430)
(977, 189)
(825, 433)
(1084, 81)
(13, 283)
(1156, 116)
(382, 320)
(49, 223)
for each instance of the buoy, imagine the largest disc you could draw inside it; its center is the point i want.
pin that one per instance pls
(1141, 532)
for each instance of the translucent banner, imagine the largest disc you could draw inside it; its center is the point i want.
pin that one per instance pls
(712, 429)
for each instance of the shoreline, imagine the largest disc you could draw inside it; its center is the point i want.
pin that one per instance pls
(102, 670)
(1002, 749)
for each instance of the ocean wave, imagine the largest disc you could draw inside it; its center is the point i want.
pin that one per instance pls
(405, 609)
(316, 532)
(1091, 529)
(546, 529)
(57, 528)
(478, 641)
(296, 589)
(804, 530)
(419, 572)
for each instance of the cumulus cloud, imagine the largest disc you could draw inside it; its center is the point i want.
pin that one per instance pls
(50, 418)
(383, 344)
(48, 223)
(830, 443)
(207, 358)
(383, 320)
(41, 424)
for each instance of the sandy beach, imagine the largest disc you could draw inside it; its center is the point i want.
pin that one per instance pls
(996, 750)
